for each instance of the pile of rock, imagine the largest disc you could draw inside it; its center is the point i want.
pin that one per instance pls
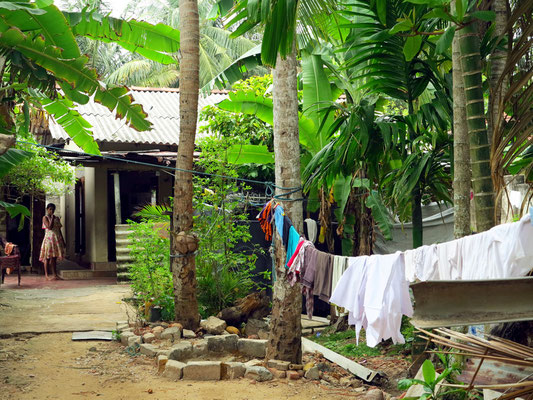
(182, 354)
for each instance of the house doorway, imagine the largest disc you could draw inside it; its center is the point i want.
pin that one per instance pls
(137, 189)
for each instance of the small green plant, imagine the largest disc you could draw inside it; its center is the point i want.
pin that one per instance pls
(432, 381)
(115, 335)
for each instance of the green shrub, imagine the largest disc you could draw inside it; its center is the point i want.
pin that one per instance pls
(150, 275)
(223, 273)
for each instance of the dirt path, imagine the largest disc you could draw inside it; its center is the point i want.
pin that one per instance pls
(51, 366)
(61, 308)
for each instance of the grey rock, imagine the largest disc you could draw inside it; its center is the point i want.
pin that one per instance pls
(173, 333)
(148, 337)
(125, 336)
(173, 370)
(199, 348)
(134, 339)
(231, 342)
(202, 371)
(148, 349)
(163, 352)
(253, 326)
(263, 334)
(188, 334)
(278, 364)
(222, 343)
(233, 370)
(215, 344)
(260, 374)
(214, 325)
(252, 347)
(313, 373)
(180, 351)
(373, 394)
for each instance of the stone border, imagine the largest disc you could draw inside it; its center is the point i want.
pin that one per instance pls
(178, 361)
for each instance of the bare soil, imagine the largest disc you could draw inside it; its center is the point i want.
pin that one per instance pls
(52, 366)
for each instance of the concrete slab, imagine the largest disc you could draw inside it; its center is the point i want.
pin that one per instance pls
(92, 335)
(76, 309)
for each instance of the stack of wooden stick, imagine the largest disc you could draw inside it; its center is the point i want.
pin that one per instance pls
(487, 348)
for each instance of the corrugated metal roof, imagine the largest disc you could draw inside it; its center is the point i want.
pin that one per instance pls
(161, 106)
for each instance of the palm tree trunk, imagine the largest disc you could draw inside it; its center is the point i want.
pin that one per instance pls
(461, 149)
(477, 128)
(183, 267)
(284, 342)
(498, 60)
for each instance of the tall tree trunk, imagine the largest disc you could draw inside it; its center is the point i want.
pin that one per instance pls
(418, 229)
(498, 60)
(284, 342)
(183, 266)
(477, 128)
(461, 148)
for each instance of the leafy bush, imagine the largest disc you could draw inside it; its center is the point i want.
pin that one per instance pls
(224, 274)
(150, 274)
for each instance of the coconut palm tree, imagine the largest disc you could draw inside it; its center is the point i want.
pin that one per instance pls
(183, 245)
(217, 49)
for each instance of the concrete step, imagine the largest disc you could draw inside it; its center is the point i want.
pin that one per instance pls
(78, 274)
(123, 277)
(122, 258)
(122, 250)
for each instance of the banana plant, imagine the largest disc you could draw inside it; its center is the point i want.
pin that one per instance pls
(38, 50)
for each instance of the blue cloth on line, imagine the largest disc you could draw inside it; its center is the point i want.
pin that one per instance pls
(278, 218)
(294, 238)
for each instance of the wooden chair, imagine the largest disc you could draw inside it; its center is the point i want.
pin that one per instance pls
(12, 261)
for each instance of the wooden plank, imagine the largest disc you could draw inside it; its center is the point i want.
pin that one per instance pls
(358, 370)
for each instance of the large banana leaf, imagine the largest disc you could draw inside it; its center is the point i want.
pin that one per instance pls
(72, 122)
(51, 24)
(380, 214)
(11, 158)
(156, 42)
(249, 154)
(14, 210)
(317, 96)
(75, 72)
(262, 108)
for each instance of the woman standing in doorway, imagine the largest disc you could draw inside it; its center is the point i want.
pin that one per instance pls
(53, 247)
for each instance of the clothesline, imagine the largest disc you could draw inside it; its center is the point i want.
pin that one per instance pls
(375, 289)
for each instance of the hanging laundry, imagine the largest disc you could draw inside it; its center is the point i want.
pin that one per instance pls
(307, 278)
(296, 254)
(287, 224)
(278, 219)
(323, 275)
(504, 251)
(292, 243)
(349, 292)
(264, 218)
(422, 263)
(450, 264)
(339, 267)
(376, 294)
(311, 229)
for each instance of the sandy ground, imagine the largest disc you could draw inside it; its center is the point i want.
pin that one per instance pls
(51, 366)
(60, 307)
